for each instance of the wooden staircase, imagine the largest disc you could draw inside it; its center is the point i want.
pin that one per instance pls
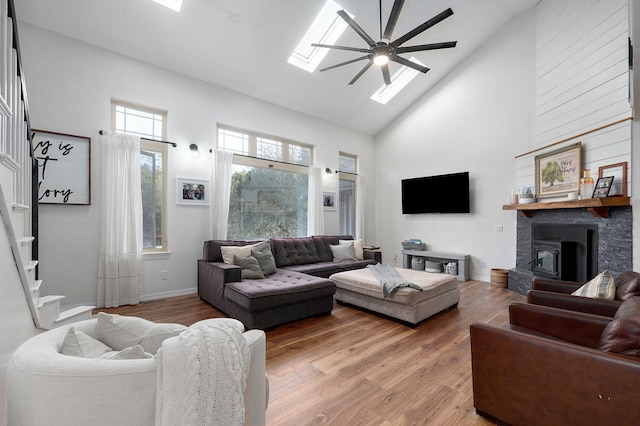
(18, 181)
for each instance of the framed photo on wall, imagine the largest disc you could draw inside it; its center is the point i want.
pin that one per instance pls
(64, 168)
(329, 200)
(192, 191)
(558, 172)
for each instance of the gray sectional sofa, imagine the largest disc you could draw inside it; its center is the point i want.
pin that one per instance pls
(299, 288)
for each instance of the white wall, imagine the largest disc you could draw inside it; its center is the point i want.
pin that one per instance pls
(476, 119)
(70, 86)
(582, 84)
(582, 66)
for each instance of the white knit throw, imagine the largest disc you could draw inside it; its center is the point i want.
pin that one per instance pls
(201, 377)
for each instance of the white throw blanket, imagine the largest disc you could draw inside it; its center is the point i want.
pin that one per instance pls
(201, 377)
(389, 279)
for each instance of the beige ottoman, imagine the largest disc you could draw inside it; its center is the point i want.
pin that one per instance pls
(360, 288)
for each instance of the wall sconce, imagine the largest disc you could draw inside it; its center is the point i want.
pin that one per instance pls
(195, 153)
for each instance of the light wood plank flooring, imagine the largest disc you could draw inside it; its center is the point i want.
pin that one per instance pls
(357, 368)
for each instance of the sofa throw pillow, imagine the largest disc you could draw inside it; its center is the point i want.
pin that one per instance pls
(343, 252)
(601, 287)
(250, 267)
(622, 336)
(132, 352)
(262, 252)
(229, 251)
(357, 247)
(121, 332)
(77, 343)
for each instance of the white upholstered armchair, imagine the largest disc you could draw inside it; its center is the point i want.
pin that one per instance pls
(45, 387)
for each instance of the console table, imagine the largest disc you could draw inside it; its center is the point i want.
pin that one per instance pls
(461, 259)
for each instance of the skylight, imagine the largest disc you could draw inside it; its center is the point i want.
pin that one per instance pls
(171, 4)
(399, 80)
(326, 29)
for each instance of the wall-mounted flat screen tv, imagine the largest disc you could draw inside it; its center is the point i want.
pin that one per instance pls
(436, 194)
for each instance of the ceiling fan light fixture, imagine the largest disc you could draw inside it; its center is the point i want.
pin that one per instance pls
(381, 59)
(381, 54)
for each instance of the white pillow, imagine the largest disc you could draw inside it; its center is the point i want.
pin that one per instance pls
(121, 332)
(229, 251)
(602, 286)
(77, 343)
(133, 352)
(343, 252)
(357, 246)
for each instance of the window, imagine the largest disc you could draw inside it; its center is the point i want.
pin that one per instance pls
(149, 124)
(326, 28)
(269, 187)
(399, 80)
(171, 4)
(348, 167)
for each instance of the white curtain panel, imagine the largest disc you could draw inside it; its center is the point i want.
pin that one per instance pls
(360, 206)
(315, 211)
(120, 269)
(221, 173)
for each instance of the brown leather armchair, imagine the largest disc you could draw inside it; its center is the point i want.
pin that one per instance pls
(546, 368)
(557, 294)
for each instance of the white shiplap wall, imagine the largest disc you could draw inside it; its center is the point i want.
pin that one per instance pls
(582, 82)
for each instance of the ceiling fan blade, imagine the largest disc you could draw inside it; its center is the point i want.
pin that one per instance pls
(345, 63)
(409, 64)
(385, 74)
(420, 28)
(353, 24)
(393, 18)
(432, 46)
(331, 46)
(362, 71)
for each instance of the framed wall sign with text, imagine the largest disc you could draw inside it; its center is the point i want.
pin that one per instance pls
(64, 168)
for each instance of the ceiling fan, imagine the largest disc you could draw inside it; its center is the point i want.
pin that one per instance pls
(385, 50)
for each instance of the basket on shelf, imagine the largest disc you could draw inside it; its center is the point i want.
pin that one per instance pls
(499, 277)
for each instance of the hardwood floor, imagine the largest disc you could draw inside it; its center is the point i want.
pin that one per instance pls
(357, 368)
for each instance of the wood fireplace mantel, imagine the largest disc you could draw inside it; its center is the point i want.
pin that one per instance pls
(596, 206)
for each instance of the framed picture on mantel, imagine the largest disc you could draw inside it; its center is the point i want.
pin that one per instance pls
(619, 173)
(558, 172)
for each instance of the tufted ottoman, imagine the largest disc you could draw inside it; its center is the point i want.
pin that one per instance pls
(293, 295)
(360, 288)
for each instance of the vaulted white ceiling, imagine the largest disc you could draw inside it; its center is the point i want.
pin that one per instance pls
(244, 45)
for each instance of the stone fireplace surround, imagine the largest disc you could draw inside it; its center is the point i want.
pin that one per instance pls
(614, 241)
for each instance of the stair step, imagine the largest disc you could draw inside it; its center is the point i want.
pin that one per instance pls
(47, 300)
(36, 285)
(35, 292)
(31, 266)
(26, 240)
(19, 207)
(73, 314)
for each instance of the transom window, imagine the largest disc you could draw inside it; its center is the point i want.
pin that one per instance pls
(252, 144)
(269, 187)
(348, 163)
(148, 123)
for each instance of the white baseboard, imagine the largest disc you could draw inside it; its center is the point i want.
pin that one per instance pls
(166, 294)
(146, 297)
